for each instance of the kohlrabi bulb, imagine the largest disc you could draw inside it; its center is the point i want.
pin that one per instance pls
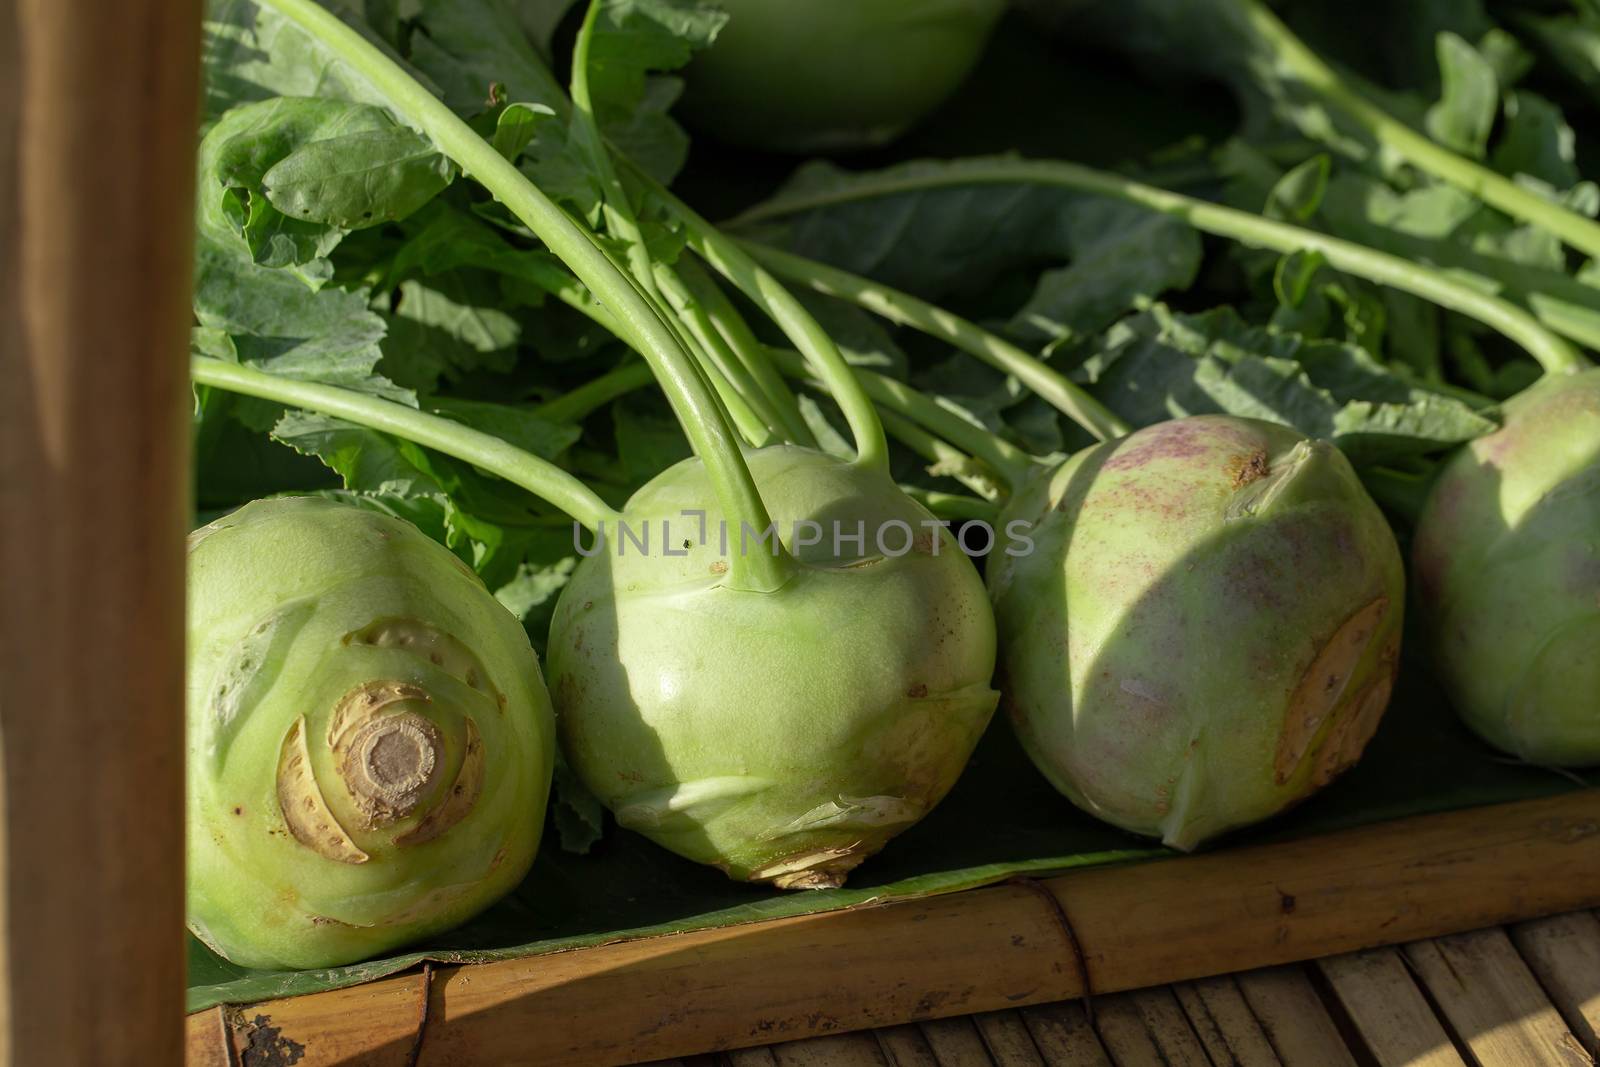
(370, 744)
(831, 75)
(1507, 565)
(1202, 627)
(784, 736)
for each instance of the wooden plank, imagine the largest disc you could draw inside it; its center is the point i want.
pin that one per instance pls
(751, 1057)
(98, 107)
(1240, 909)
(999, 947)
(1294, 1018)
(1492, 1001)
(1224, 1023)
(1064, 1037)
(1388, 1010)
(904, 1046)
(1147, 1028)
(1564, 954)
(836, 1050)
(1006, 1037)
(956, 1043)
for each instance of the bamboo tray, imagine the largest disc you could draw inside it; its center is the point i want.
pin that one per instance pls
(1093, 931)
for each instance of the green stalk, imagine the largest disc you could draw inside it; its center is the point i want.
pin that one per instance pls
(642, 325)
(941, 453)
(579, 403)
(586, 130)
(756, 428)
(538, 476)
(1421, 151)
(906, 310)
(735, 384)
(1553, 353)
(768, 294)
(1010, 463)
(738, 336)
(952, 505)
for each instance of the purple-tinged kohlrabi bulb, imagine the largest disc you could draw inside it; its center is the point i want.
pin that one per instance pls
(1206, 629)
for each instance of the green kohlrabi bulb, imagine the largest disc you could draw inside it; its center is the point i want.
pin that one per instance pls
(1206, 628)
(783, 736)
(1507, 563)
(829, 75)
(370, 744)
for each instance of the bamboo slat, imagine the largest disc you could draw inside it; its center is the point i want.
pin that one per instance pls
(1564, 954)
(752, 1057)
(1147, 1028)
(1006, 1037)
(1293, 1018)
(955, 1043)
(1064, 1037)
(1004, 946)
(836, 1050)
(1388, 1010)
(905, 1046)
(1224, 1023)
(98, 106)
(1492, 1001)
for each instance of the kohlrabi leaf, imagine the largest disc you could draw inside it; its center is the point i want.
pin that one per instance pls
(358, 179)
(489, 523)
(1118, 256)
(579, 818)
(955, 240)
(1469, 98)
(509, 422)
(250, 52)
(1536, 141)
(445, 326)
(1160, 365)
(479, 52)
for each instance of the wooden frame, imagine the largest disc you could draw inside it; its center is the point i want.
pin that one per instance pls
(1094, 931)
(98, 106)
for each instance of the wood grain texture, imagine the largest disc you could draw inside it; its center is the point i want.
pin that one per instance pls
(751, 1057)
(98, 108)
(904, 1046)
(1006, 1037)
(1147, 1028)
(1391, 1014)
(1563, 952)
(1224, 1023)
(1064, 1036)
(1294, 1019)
(987, 949)
(956, 1043)
(837, 1050)
(1493, 1003)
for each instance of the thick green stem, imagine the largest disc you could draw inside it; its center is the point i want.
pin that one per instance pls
(1010, 463)
(756, 428)
(906, 310)
(1418, 150)
(642, 325)
(751, 353)
(953, 506)
(538, 476)
(1552, 353)
(947, 460)
(576, 405)
(735, 384)
(768, 294)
